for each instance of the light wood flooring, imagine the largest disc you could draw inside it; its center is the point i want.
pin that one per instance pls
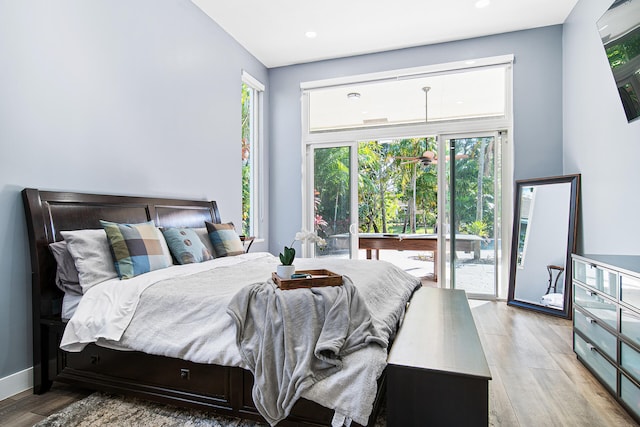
(536, 377)
(537, 380)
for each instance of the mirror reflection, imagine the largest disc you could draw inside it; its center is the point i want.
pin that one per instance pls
(619, 30)
(543, 239)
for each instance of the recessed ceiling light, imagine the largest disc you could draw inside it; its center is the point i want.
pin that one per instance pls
(311, 34)
(482, 3)
(353, 95)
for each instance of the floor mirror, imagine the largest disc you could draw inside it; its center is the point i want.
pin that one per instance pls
(544, 236)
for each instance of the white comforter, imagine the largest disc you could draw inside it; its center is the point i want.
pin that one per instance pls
(166, 312)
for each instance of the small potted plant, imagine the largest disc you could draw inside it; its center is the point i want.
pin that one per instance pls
(287, 269)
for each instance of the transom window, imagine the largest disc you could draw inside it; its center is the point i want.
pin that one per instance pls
(456, 95)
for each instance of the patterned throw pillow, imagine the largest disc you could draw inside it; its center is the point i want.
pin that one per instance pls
(185, 245)
(136, 248)
(225, 240)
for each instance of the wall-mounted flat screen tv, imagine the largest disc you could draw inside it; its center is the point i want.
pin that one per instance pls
(619, 30)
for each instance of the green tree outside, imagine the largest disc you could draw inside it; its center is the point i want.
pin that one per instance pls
(386, 182)
(246, 160)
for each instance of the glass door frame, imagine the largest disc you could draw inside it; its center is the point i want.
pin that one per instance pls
(503, 211)
(506, 186)
(308, 185)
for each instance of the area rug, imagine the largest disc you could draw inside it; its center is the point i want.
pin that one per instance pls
(101, 410)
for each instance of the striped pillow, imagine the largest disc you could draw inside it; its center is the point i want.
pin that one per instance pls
(136, 248)
(224, 239)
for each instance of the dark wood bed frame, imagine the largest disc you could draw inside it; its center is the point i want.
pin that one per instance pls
(221, 389)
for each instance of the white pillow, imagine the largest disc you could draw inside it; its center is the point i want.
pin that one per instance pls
(91, 255)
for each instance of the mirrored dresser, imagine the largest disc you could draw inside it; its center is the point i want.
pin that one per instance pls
(606, 323)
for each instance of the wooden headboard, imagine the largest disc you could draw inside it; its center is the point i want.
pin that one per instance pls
(50, 212)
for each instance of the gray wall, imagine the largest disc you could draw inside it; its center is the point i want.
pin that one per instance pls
(598, 141)
(134, 97)
(537, 108)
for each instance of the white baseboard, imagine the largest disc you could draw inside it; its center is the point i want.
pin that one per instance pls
(16, 383)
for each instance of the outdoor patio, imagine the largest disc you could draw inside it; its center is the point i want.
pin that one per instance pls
(473, 276)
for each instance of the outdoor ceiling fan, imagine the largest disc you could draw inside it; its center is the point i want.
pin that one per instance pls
(427, 158)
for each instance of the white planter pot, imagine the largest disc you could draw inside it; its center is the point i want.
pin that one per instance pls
(285, 271)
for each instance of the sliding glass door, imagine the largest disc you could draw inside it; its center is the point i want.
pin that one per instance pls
(331, 211)
(472, 210)
(409, 161)
(445, 214)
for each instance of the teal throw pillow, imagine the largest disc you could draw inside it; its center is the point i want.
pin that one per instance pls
(185, 245)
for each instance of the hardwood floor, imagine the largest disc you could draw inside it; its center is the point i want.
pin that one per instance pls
(537, 380)
(26, 409)
(536, 377)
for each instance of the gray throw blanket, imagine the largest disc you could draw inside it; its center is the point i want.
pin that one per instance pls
(291, 339)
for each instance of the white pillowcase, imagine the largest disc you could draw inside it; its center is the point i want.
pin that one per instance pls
(91, 255)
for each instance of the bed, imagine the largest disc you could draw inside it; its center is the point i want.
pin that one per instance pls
(176, 380)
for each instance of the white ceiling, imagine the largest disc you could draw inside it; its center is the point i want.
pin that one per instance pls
(274, 31)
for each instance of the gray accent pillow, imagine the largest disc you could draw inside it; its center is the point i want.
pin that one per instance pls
(91, 255)
(66, 273)
(203, 234)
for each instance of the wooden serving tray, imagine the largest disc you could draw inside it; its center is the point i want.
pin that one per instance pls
(319, 278)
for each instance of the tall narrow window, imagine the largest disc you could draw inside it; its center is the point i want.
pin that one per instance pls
(252, 91)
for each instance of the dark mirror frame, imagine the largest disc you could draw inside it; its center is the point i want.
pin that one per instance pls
(574, 180)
